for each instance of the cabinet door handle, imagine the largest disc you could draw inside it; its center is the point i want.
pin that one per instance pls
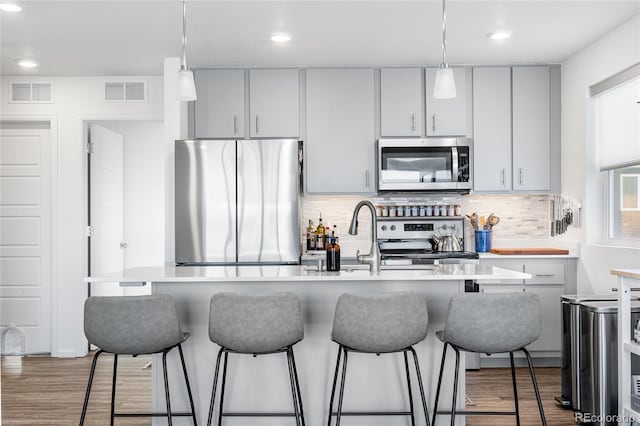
(257, 124)
(502, 176)
(235, 124)
(545, 275)
(433, 122)
(413, 122)
(520, 173)
(366, 178)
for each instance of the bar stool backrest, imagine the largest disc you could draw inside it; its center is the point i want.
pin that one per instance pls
(132, 324)
(255, 323)
(380, 323)
(493, 323)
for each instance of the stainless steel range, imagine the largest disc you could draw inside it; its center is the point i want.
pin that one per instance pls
(410, 241)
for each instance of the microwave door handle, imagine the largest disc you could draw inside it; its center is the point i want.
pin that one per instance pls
(454, 164)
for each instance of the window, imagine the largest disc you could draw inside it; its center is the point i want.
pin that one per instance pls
(617, 133)
(625, 203)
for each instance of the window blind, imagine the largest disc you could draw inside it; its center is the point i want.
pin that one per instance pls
(617, 117)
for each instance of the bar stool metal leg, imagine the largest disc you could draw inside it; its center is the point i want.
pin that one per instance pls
(435, 405)
(535, 387)
(294, 395)
(335, 382)
(341, 395)
(455, 387)
(422, 395)
(89, 384)
(186, 380)
(224, 382)
(113, 388)
(295, 375)
(406, 368)
(215, 386)
(515, 388)
(166, 386)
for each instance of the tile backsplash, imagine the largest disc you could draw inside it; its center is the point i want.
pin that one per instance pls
(523, 216)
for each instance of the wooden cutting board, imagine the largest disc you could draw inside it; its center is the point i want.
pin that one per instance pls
(529, 251)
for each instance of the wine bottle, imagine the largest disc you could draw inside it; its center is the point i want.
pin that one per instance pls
(311, 241)
(320, 235)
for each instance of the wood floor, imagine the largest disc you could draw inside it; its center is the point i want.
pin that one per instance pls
(50, 391)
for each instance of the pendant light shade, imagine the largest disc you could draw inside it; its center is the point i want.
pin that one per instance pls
(186, 87)
(445, 84)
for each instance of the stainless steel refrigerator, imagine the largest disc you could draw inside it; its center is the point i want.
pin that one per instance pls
(237, 202)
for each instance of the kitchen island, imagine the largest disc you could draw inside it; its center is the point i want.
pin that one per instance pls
(262, 383)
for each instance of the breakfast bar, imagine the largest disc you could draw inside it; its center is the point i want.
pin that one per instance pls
(261, 384)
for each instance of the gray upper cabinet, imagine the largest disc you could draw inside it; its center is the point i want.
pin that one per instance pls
(531, 129)
(340, 142)
(274, 103)
(219, 110)
(401, 102)
(492, 129)
(449, 117)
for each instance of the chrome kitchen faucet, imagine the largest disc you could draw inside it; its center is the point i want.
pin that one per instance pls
(373, 258)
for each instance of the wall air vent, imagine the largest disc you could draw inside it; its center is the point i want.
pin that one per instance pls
(125, 91)
(30, 92)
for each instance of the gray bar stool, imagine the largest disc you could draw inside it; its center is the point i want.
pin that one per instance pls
(490, 323)
(375, 324)
(134, 325)
(252, 324)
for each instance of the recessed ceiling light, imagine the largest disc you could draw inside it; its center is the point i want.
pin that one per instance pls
(26, 63)
(499, 35)
(8, 7)
(281, 38)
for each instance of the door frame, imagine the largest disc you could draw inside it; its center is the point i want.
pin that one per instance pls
(52, 119)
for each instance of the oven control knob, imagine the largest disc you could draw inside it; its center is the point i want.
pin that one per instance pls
(384, 227)
(393, 227)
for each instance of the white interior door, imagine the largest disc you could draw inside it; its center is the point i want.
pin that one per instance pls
(106, 207)
(25, 241)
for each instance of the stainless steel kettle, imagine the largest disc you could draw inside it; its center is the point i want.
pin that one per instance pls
(449, 242)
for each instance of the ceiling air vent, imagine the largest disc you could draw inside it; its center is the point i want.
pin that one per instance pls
(125, 91)
(31, 92)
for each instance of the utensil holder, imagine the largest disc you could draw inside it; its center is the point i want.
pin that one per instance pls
(483, 240)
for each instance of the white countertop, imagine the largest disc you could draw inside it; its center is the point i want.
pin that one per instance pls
(270, 273)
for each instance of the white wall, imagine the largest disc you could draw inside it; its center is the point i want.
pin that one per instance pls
(609, 55)
(76, 99)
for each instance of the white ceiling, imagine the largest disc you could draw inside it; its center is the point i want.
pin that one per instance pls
(133, 37)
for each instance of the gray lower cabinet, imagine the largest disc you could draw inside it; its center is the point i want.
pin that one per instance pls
(551, 278)
(219, 109)
(340, 140)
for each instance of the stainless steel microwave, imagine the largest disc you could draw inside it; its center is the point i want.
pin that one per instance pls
(433, 164)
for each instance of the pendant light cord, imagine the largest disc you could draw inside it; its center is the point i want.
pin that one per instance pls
(183, 65)
(444, 35)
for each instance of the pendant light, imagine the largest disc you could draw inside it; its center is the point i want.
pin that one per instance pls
(445, 84)
(186, 84)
